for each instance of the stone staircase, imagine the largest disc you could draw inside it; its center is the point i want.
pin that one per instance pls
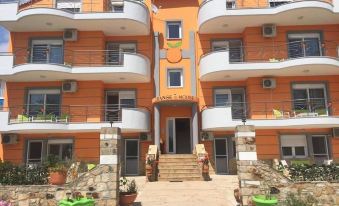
(179, 167)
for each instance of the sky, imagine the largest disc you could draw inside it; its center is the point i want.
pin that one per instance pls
(3, 39)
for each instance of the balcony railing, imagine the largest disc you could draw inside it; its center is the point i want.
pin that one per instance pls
(298, 108)
(244, 4)
(59, 56)
(73, 6)
(280, 52)
(54, 113)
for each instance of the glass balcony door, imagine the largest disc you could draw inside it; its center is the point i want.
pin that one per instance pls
(115, 52)
(44, 102)
(47, 52)
(304, 45)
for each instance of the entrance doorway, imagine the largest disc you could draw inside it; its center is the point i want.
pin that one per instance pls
(221, 155)
(179, 136)
(131, 157)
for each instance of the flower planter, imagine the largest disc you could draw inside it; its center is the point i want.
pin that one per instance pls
(260, 200)
(80, 202)
(127, 199)
(149, 170)
(205, 169)
(57, 178)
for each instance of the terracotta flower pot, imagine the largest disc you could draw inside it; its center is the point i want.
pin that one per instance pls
(57, 178)
(127, 199)
(205, 168)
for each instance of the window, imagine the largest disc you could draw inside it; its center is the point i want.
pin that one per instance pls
(302, 45)
(69, 5)
(319, 143)
(47, 51)
(115, 100)
(230, 4)
(293, 146)
(310, 98)
(116, 50)
(174, 30)
(233, 46)
(175, 78)
(234, 97)
(276, 3)
(38, 150)
(43, 102)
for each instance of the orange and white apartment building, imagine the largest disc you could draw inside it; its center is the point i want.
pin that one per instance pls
(170, 73)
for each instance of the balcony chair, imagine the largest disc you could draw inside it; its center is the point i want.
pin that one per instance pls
(281, 114)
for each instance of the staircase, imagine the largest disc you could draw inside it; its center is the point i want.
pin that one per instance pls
(179, 167)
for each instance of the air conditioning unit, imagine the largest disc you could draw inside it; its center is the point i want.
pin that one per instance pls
(206, 135)
(335, 132)
(145, 136)
(9, 139)
(69, 86)
(269, 30)
(268, 83)
(71, 35)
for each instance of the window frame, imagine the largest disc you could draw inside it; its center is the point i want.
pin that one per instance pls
(49, 42)
(44, 92)
(326, 145)
(295, 140)
(181, 71)
(302, 35)
(168, 29)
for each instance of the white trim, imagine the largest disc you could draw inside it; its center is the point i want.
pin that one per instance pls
(60, 141)
(44, 91)
(309, 86)
(47, 41)
(293, 141)
(304, 35)
(223, 91)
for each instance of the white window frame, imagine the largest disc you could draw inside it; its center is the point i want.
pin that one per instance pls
(43, 92)
(179, 23)
(181, 78)
(68, 4)
(307, 35)
(222, 44)
(293, 141)
(222, 91)
(28, 151)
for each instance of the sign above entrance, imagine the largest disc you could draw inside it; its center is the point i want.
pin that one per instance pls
(175, 98)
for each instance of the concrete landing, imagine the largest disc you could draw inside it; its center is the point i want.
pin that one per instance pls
(218, 192)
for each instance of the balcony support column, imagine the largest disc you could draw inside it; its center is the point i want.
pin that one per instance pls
(157, 126)
(195, 130)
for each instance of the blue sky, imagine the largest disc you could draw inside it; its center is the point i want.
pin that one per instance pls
(3, 39)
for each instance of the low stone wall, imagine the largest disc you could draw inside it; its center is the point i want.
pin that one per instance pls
(102, 181)
(326, 193)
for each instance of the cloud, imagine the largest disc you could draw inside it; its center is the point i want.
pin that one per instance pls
(3, 46)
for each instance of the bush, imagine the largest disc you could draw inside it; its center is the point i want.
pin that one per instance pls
(293, 200)
(11, 174)
(304, 172)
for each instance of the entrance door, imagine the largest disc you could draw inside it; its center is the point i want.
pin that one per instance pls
(179, 136)
(131, 157)
(221, 157)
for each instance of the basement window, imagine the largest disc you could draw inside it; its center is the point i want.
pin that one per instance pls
(293, 146)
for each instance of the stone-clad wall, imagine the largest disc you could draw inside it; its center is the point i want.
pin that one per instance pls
(101, 180)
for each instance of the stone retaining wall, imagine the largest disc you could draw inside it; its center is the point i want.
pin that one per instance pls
(102, 181)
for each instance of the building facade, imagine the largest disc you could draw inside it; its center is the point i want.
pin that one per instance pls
(170, 73)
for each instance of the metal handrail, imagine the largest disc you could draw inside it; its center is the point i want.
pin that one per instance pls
(279, 52)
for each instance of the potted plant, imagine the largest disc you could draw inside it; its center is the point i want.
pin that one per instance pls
(149, 165)
(127, 191)
(265, 200)
(205, 164)
(57, 170)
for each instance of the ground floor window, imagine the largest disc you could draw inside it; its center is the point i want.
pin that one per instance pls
(293, 146)
(39, 150)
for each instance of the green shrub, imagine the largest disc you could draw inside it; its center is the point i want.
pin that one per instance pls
(297, 200)
(11, 174)
(304, 172)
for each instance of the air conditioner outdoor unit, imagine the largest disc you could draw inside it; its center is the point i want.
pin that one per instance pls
(335, 132)
(9, 139)
(144, 136)
(268, 83)
(117, 2)
(69, 86)
(206, 135)
(70, 35)
(269, 30)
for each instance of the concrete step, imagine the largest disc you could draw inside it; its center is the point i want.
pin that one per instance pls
(177, 156)
(179, 170)
(179, 179)
(179, 174)
(178, 166)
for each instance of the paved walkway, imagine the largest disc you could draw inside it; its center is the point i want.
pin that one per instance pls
(218, 192)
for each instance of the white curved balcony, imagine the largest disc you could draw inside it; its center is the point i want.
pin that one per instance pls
(81, 119)
(220, 119)
(266, 61)
(82, 66)
(133, 20)
(214, 17)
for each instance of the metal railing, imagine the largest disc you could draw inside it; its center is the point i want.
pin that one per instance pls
(298, 108)
(75, 6)
(60, 56)
(282, 51)
(55, 113)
